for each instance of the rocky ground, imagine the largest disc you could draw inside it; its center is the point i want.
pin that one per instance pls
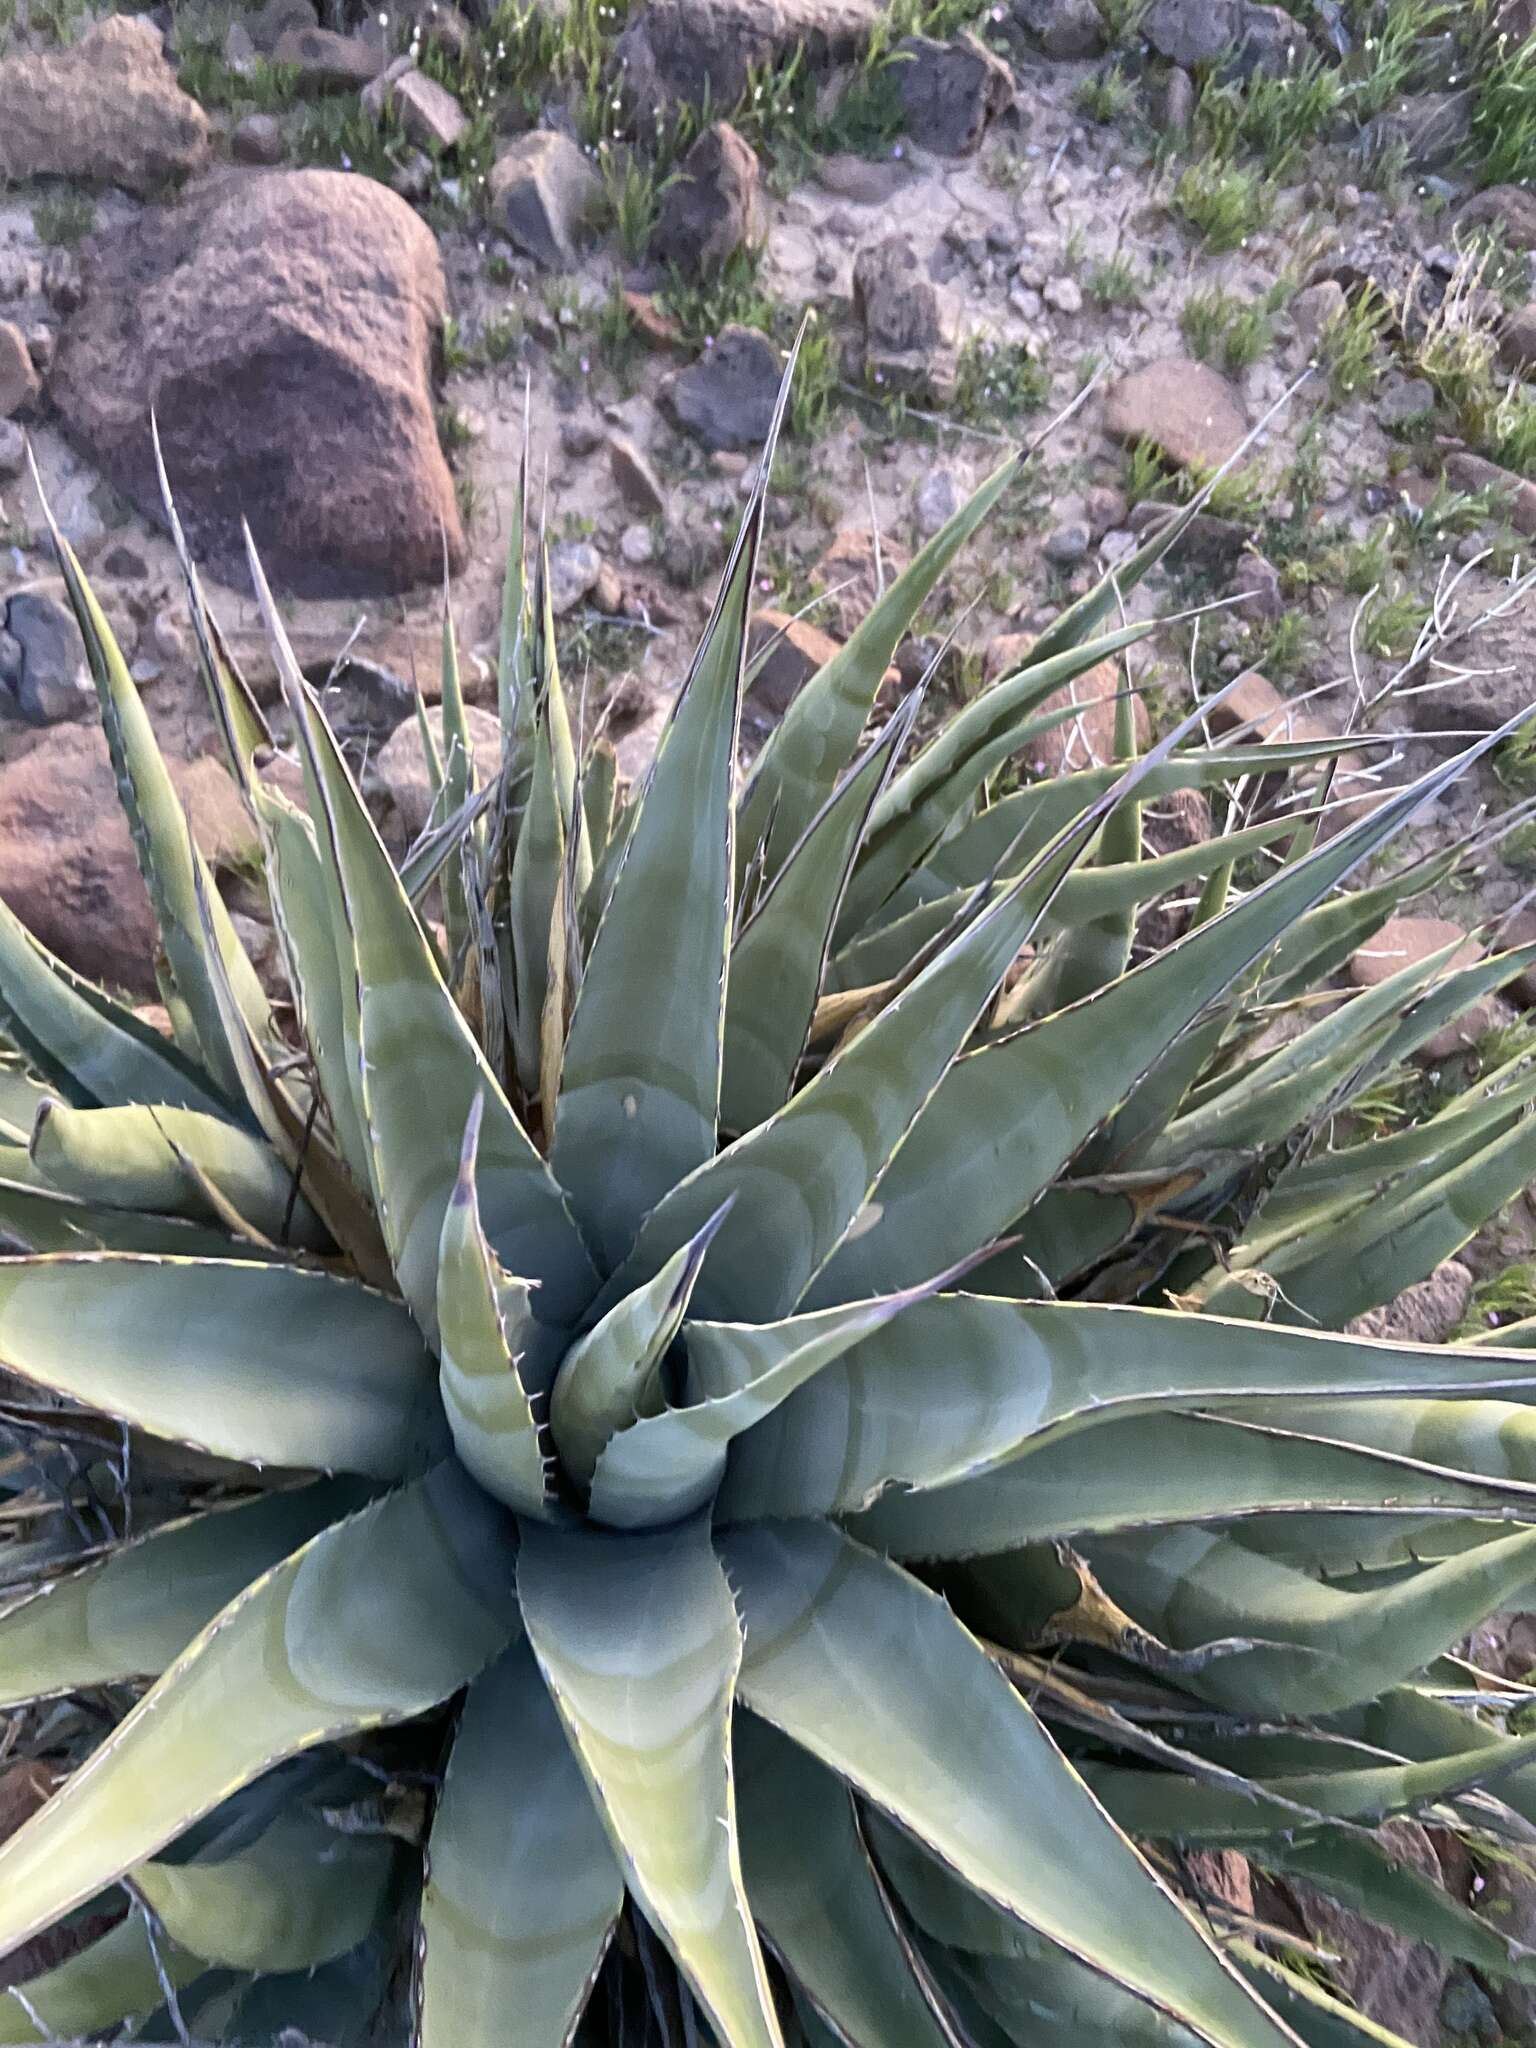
(354, 260)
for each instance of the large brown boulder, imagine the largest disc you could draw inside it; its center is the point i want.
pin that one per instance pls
(282, 329)
(108, 110)
(67, 867)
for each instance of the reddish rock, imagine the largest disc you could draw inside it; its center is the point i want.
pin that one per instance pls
(1255, 714)
(19, 381)
(1086, 741)
(783, 653)
(1400, 943)
(652, 324)
(848, 572)
(67, 867)
(282, 327)
(1183, 408)
(107, 110)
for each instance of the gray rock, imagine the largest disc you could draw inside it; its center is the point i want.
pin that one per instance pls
(51, 682)
(1068, 544)
(268, 24)
(542, 192)
(939, 498)
(1317, 308)
(709, 211)
(1517, 342)
(574, 567)
(1404, 399)
(725, 399)
(636, 545)
(257, 139)
(13, 450)
(637, 481)
(908, 320)
(323, 61)
(950, 92)
(698, 51)
(1509, 208)
(400, 767)
(428, 113)
(1432, 129)
(1190, 32)
(107, 110)
(362, 699)
(1173, 102)
(1062, 28)
(1064, 295)
(1268, 42)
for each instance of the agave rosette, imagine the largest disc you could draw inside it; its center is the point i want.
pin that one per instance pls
(704, 1315)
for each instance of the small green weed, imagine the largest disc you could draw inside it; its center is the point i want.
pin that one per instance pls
(1226, 330)
(631, 196)
(1224, 203)
(1114, 281)
(996, 381)
(1106, 95)
(1505, 1297)
(731, 297)
(1504, 113)
(63, 216)
(1349, 343)
(816, 380)
(1391, 624)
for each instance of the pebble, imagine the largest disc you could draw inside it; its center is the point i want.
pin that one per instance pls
(636, 545)
(1064, 294)
(1116, 545)
(938, 500)
(574, 567)
(1068, 544)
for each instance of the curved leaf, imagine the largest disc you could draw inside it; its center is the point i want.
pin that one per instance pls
(872, 1673)
(376, 1620)
(522, 1888)
(134, 1612)
(267, 1364)
(638, 1641)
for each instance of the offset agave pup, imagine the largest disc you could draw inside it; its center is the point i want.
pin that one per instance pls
(739, 1443)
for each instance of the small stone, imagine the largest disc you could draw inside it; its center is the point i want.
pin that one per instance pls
(580, 437)
(169, 634)
(908, 322)
(400, 766)
(1260, 593)
(19, 383)
(1406, 942)
(1517, 343)
(574, 567)
(269, 23)
(709, 210)
(939, 498)
(1118, 545)
(1511, 209)
(783, 653)
(1174, 102)
(13, 450)
(41, 343)
(637, 546)
(542, 192)
(323, 61)
(1182, 407)
(63, 284)
(1403, 400)
(950, 93)
(1317, 308)
(257, 139)
(725, 399)
(123, 564)
(1062, 28)
(638, 483)
(1470, 472)
(240, 54)
(607, 593)
(1068, 544)
(52, 682)
(1347, 199)
(428, 113)
(1064, 295)
(1255, 713)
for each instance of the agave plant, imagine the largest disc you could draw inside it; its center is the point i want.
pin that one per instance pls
(702, 1439)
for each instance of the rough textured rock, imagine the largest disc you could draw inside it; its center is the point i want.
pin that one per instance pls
(1317, 308)
(1396, 1982)
(1191, 31)
(1062, 28)
(574, 569)
(283, 328)
(951, 93)
(1510, 208)
(1255, 710)
(1469, 472)
(400, 767)
(1400, 943)
(638, 482)
(709, 211)
(46, 677)
(257, 139)
(783, 653)
(66, 862)
(693, 50)
(1429, 1313)
(323, 61)
(542, 191)
(851, 576)
(1184, 408)
(268, 24)
(108, 109)
(908, 320)
(428, 113)
(19, 381)
(1431, 129)
(1086, 740)
(725, 399)
(1517, 343)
